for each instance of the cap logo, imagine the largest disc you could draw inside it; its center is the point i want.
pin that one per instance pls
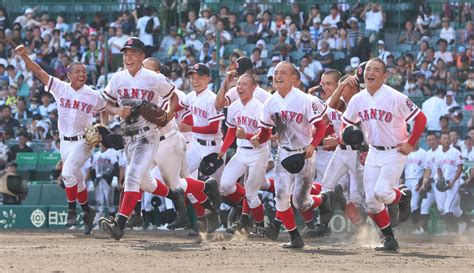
(237, 65)
(196, 66)
(130, 41)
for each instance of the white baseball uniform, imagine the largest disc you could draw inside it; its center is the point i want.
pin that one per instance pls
(344, 160)
(449, 162)
(247, 157)
(259, 93)
(433, 195)
(141, 137)
(414, 169)
(299, 112)
(204, 112)
(383, 119)
(103, 162)
(75, 113)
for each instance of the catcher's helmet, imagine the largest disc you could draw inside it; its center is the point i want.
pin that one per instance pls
(352, 135)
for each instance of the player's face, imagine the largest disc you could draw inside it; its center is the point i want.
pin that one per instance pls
(445, 140)
(374, 75)
(77, 75)
(245, 88)
(329, 85)
(199, 83)
(284, 77)
(133, 59)
(432, 141)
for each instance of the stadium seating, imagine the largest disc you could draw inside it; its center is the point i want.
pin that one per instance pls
(26, 165)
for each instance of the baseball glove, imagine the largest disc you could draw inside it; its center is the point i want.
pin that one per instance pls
(95, 133)
(441, 184)
(153, 114)
(280, 126)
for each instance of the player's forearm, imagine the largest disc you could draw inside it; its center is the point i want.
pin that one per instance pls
(440, 173)
(210, 129)
(320, 131)
(458, 173)
(221, 100)
(264, 135)
(418, 128)
(111, 109)
(229, 139)
(335, 99)
(36, 69)
(426, 175)
(173, 104)
(104, 117)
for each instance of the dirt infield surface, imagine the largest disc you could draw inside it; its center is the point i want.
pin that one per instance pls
(161, 251)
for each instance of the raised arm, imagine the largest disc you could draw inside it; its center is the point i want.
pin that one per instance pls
(31, 65)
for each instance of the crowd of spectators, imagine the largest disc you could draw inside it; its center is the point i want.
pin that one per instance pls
(433, 56)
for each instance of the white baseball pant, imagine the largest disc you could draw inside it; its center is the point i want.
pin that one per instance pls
(104, 196)
(411, 183)
(452, 203)
(433, 196)
(255, 160)
(321, 160)
(382, 173)
(74, 154)
(197, 152)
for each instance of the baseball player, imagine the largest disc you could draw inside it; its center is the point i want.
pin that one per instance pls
(414, 170)
(345, 159)
(383, 113)
(297, 117)
(228, 94)
(105, 166)
(428, 186)
(206, 128)
(171, 160)
(127, 89)
(77, 103)
(450, 164)
(242, 121)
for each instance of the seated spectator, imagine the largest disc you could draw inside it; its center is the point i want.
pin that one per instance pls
(284, 41)
(257, 61)
(447, 32)
(469, 83)
(450, 100)
(250, 28)
(383, 54)
(462, 63)
(315, 30)
(333, 18)
(27, 19)
(427, 21)
(271, 71)
(441, 75)
(40, 131)
(233, 27)
(267, 28)
(22, 112)
(409, 35)
(8, 123)
(325, 37)
(443, 53)
(305, 43)
(411, 89)
(469, 103)
(444, 124)
(324, 56)
(194, 43)
(21, 147)
(313, 14)
(93, 59)
(226, 37)
(467, 152)
(342, 41)
(61, 25)
(176, 80)
(421, 86)
(468, 31)
(307, 73)
(12, 97)
(420, 56)
(262, 46)
(47, 106)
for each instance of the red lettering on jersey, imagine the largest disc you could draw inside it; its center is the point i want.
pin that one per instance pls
(299, 118)
(198, 112)
(61, 102)
(243, 120)
(291, 116)
(375, 114)
(134, 93)
(84, 105)
(125, 93)
(75, 104)
(151, 95)
(89, 108)
(334, 115)
(68, 104)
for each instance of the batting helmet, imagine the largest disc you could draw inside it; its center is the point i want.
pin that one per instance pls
(243, 64)
(352, 135)
(360, 75)
(441, 185)
(294, 163)
(210, 164)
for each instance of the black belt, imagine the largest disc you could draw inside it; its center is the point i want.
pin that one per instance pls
(384, 148)
(246, 147)
(74, 138)
(206, 142)
(135, 132)
(162, 138)
(347, 147)
(290, 150)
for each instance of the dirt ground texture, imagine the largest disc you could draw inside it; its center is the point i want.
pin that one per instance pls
(174, 251)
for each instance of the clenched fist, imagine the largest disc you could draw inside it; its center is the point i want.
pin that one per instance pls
(20, 50)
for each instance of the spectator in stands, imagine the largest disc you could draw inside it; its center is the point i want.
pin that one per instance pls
(4, 151)
(22, 112)
(297, 15)
(226, 37)
(313, 14)
(61, 25)
(324, 56)
(8, 123)
(194, 26)
(421, 86)
(53, 120)
(434, 108)
(315, 30)
(420, 56)
(257, 61)
(469, 83)
(409, 35)
(444, 124)
(146, 32)
(12, 97)
(250, 28)
(40, 131)
(427, 21)
(98, 23)
(468, 103)
(27, 19)
(267, 28)
(47, 106)
(465, 33)
(333, 18)
(21, 147)
(128, 23)
(284, 41)
(456, 142)
(170, 39)
(307, 73)
(305, 43)
(4, 20)
(383, 54)
(233, 27)
(447, 32)
(325, 37)
(374, 18)
(450, 100)
(441, 75)
(411, 89)
(442, 53)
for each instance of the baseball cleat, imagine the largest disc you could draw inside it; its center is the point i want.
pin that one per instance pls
(181, 220)
(325, 209)
(388, 244)
(134, 221)
(294, 243)
(88, 219)
(271, 232)
(112, 228)
(319, 231)
(200, 227)
(71, 218)
(405, 203)
(213, 222)
(212, 191)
